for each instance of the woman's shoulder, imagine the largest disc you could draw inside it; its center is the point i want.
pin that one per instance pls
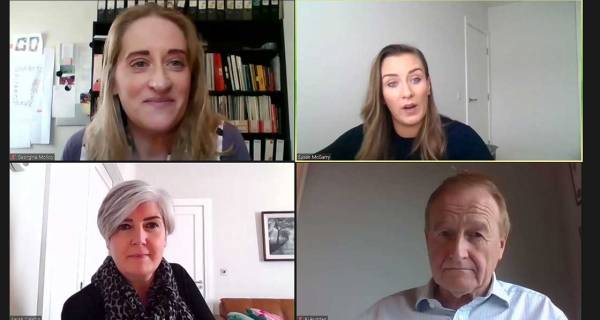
(232, 138)
(72, 149)
(346, 146)
(178, 270)
(457, 129)
(463, 141)
(85, 304)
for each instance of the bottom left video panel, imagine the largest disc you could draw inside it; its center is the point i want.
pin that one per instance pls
(151, 240)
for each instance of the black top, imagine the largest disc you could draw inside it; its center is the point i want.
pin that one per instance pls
(88, 303)
(463, 143)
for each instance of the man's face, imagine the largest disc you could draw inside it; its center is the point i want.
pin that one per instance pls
(464, 240)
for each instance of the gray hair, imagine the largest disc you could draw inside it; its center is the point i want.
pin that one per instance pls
(124, 198)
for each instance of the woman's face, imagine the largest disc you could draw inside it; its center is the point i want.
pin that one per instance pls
(406, 92)
(138, 243)
(152, 76)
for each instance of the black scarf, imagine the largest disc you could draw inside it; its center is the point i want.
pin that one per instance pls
(122, 302)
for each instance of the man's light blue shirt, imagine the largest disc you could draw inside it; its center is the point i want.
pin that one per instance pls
(504, 301)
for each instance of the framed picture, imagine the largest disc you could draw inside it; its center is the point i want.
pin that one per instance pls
(575, 169)
(279, 235)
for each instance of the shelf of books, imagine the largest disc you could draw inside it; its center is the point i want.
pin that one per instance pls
(244, 62)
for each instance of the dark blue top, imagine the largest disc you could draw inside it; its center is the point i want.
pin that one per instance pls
(231, 138)
(463, 143)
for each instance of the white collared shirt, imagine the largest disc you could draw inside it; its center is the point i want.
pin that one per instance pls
(504, 301)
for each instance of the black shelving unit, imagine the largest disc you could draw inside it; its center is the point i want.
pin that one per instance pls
(242, 33)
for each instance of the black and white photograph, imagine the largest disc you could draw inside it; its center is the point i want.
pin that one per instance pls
(278, 235)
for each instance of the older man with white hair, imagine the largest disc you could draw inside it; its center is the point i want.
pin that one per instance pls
(466, 229)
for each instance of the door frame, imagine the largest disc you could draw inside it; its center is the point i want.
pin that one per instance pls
(468, 24)
(207, 241)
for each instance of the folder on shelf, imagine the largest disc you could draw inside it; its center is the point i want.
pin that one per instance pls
(229, 9)
(200, 9)
(120, 5)
(279, 150)
(232, 72)
(275, 10)
(238, 64)
(247, 11)
(101, 11)
(209, 71)
(227, 77)
(269, 146)
(276, 67)
(274, 119)
(247, 142)
(219, 80)
(239, 7)
(257, 150)
(110, 9)
(211, 9)
(256, 8)
(220, 12)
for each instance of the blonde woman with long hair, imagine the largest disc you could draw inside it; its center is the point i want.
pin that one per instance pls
(154, 103)
(400, 118)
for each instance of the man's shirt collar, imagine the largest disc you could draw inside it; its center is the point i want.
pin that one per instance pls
(426, 301)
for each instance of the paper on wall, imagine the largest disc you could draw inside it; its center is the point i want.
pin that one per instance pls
(20, 126)
(63, 102)
(30, 97)
(66, 53)
(29, 43)
(42, 107)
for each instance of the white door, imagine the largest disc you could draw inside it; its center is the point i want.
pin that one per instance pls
(74, 247)
(27, 194)
(477, 98)
(95, 247)
(189, 244)
(66, 218)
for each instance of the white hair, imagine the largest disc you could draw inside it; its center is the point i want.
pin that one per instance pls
(124, 198)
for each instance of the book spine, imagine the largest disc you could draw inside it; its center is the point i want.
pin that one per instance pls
(219, 81)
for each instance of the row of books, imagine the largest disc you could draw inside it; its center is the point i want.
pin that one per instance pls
(194, 8)
(229, 73)
(271, 147)
(250, 114)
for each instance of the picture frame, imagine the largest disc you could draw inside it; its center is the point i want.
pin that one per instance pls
(279, 235)
(575, 169)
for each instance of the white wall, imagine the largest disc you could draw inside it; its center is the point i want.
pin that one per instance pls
(26, 213)
(57, 20)
(362, 233)
(534, 81)
(288, 35)
(338, 41)
(60, 21)
(239, 192)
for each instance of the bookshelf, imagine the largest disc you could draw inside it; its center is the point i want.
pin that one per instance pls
(255, 35)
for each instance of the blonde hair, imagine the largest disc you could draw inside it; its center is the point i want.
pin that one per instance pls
(378, 128)
(195, 138)
(469, 179)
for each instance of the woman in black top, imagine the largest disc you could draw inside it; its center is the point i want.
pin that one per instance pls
(401, 120)
(135, 281)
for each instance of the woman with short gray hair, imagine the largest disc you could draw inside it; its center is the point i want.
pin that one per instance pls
(135, 281)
